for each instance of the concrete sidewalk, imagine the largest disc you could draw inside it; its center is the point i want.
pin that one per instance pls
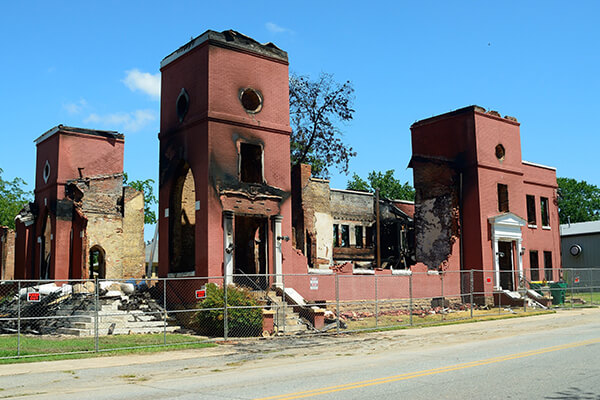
(112, 361)
(433, 336)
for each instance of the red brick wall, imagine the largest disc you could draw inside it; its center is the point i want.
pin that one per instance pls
(467, 140)
(208, 141)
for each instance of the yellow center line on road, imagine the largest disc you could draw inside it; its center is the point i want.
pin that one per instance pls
(417, 374)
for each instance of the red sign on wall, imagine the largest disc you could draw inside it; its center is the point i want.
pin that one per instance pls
(33, 297)
(488, 280)
(201, 293)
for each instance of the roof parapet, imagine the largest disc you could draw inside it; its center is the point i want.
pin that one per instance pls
(230, 39)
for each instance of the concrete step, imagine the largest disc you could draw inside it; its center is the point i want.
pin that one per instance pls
(293, 328)
(74, 331)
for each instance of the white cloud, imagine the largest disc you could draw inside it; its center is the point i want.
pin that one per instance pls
(128, 122)
(75, 108)
(274, 28)
(144, 82)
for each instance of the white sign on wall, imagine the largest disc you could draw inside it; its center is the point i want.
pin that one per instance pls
(314, 283)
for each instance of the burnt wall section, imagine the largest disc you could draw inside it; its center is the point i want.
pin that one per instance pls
(115, 220)
(436, 211)
(133, 235)
(182, 222)
(335, 226)
(7, 253)
(311, 216)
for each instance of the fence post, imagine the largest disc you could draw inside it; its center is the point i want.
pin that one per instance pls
(19, 319)
(471, 291)
(376, 302)
(225, 314)
(443, 299)
(337, 303)
(165, 311)
(572, 285)
(410, 299)
(591, 283)
(96, 310)
(284, 304)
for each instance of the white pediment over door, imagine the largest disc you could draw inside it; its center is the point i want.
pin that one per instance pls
(506, 226)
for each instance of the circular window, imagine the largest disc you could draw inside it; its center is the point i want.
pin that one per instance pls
(575, 250)
(500, 152)
(46, 172)
(251, 100)
(183, 103)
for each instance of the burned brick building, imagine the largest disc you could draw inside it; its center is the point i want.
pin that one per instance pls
(227, 190)
(82, 222)
(224, 200)
(336, 226)
(478, 205)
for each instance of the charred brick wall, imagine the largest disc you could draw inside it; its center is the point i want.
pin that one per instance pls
(7, 253)
(133, 233)
(436, 212)
(317, 222)
(115, 222)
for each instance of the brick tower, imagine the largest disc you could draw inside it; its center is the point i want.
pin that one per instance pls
(225, 205)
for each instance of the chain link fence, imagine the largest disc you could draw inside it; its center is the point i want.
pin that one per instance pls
(54, 317)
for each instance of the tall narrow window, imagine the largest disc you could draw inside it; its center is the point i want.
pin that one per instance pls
(502, 198)
(369, 236)
(251, 169)
(336, 235)
(548, 265)
(531, 219)
(345, 236)
(534, 265)
(358, 234)
(544, 209)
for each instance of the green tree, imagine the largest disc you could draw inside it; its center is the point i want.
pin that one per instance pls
(578, 201)
(316, 110)
(389, 187)
(144, 186)
(12, 199)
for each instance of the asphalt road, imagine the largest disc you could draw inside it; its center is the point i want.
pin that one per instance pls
(545, 357)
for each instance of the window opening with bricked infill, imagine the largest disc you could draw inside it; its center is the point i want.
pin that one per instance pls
(534, 265)
(97, 262)
(336, 235)
(345, 236)
(544, 210)
(182, 222)
(502, 198)
(531, 217)
(358, 233)
(251, 163)
(548, 265)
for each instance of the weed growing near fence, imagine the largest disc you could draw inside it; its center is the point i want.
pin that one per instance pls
(244, 313)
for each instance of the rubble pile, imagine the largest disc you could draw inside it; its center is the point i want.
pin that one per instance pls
(71, 309)
(417, 311)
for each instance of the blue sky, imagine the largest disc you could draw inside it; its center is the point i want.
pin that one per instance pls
(96, 65)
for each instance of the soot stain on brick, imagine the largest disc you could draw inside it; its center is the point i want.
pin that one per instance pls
(436, 212)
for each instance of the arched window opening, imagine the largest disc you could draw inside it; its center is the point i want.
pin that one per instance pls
(46, 249)
(182, 222)
(97, 263)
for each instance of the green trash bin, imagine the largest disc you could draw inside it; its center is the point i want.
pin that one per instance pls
(537, 286)
(558, 291)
